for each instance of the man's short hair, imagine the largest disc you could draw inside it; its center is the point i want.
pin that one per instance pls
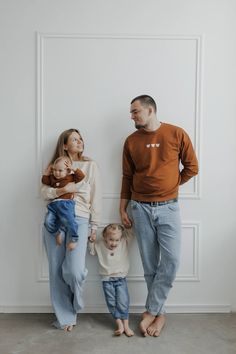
(146, 100)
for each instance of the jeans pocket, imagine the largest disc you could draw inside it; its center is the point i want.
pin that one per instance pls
(173, 206)
(133, 205)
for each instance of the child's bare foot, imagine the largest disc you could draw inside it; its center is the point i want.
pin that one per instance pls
(146, 321)
(120, 327)
(127, 329)
(71, 246)
(156, 327)
(58, 240)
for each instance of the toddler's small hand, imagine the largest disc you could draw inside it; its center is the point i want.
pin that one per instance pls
(92, 236)
(58, 240)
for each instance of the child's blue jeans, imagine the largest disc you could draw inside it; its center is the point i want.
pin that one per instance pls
(117, 297)
(61, 213)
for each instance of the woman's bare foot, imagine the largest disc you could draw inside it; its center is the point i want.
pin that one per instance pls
(68, 328)
(157, 325)
(127, 329)
(146, 321)
(120, 327)
(58, 240)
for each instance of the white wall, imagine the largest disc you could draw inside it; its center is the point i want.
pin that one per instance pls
(78, 63)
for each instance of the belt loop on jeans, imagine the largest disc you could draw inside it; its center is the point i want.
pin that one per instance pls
(163, 202)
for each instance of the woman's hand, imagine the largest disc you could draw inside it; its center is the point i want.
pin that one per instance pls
(70, 188)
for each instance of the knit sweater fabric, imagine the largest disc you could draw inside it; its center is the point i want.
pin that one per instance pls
(112, 263)
(151, 163)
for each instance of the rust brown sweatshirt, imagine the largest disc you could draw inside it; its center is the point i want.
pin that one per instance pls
(151, 163)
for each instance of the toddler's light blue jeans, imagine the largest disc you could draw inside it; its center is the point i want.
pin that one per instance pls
(158, 232)
(67, 273)
(117, 297)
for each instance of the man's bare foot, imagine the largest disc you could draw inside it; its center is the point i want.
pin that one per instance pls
(127, 329)
(147, 319)
(120, 327)
(157, 325)
(58, 240)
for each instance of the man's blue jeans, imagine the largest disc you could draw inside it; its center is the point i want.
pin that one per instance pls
(117, 297)
(61, 213)
(158, 232)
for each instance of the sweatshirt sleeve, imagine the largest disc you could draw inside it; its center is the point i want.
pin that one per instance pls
(188, 159)
(91, 248)
(128, 172)
(46, 180)
(95, 197)
(78, 175)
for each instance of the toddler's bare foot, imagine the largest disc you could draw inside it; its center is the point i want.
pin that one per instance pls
(71, 246)
(58, 240)
(147, 319)
(127, 329)
(120, 327)
(156, 327)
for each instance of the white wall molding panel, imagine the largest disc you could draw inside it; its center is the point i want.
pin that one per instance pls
(188, 272)
(79, 65)
(92, 68)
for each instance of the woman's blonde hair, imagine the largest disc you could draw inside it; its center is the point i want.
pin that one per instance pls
(62, 140)
(111, 228)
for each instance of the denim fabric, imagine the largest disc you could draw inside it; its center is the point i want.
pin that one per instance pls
(117, 297)
(62, 213)
(67, 273)
(158, 231)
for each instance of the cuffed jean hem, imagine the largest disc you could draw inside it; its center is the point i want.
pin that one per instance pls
(155, 313)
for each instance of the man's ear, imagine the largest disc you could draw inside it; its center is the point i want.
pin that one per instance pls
(150, 110)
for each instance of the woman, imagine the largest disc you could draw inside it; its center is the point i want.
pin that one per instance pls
(67, 271)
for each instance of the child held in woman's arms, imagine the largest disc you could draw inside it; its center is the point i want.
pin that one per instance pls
(112, 252)
(61, 211)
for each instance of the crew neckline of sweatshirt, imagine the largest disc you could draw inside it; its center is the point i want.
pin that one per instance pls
(143, 131)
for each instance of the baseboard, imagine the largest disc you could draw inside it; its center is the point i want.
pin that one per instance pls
(172, 308)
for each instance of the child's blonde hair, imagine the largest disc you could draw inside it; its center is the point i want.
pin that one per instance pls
(112, 228)
(61, 158)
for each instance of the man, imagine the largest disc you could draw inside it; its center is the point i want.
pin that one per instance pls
(151, 179)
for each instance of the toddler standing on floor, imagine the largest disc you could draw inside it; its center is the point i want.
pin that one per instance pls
(112, 252)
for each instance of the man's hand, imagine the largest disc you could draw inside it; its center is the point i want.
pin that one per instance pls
(125, 219)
